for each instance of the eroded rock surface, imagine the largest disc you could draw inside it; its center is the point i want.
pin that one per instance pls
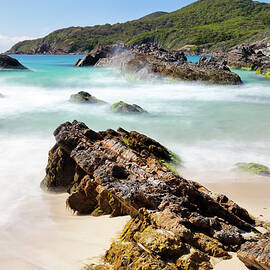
(175, 223)
(251, 56)
(256, 255)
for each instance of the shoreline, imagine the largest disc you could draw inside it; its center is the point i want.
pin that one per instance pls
(67, 241)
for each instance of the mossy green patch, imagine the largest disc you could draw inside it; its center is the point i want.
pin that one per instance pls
(265, 74)
(115, 105)
(173, 163)
(254, 168)
(246, 68)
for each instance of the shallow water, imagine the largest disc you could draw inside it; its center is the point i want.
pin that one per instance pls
(210, 127)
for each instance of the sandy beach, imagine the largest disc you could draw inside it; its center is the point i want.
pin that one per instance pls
(57, 239)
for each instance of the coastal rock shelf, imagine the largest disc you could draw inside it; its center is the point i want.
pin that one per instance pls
(251, 57)
(148, 59)
(175, 223)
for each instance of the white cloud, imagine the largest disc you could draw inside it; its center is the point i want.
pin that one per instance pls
(7, 42)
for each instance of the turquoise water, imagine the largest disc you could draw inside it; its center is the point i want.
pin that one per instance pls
(210, 127)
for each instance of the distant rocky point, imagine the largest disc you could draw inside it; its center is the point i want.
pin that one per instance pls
(7, 62)
(150, 59)
(203, 25)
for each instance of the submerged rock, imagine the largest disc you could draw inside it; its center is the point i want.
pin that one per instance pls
(175, 223)
(122, 107)
(254, 168)
(7, 62)
(256, 255)
(84, 97)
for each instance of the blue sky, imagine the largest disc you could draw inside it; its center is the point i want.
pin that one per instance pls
(21, 20)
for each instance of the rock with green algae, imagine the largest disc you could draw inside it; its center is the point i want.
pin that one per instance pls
(123, 107)
(254, 168)
(84, 97)
(175, 224)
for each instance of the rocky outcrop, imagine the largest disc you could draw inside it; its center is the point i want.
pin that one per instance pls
(254, 168)
(150, 60)
(251, 56)
(122, 107)
(175, 223)
(1, 95)
(84, 97)
(103, 51)
(256, 255)
(7, 62)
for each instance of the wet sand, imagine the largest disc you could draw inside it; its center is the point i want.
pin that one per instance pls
(56, 239)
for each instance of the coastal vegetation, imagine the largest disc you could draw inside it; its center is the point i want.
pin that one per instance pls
(210, 24)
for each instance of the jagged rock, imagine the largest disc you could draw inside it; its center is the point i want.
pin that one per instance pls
(59, 171)
(88, 60)
(122, 107)
(175, 224)
(84, 97)
(7, 62)
(145, 60)
(253, 57)
(256, 255)
(254, 168)
(103, 51)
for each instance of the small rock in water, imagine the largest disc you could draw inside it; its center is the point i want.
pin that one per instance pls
(1, 95)
(254, 168)
(123, 107)
(84, 97)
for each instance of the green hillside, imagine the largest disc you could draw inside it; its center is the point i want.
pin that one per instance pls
(207, 23)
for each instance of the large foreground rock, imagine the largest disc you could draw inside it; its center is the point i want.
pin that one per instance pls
(175, 223)
(256, 255)
(7, 62)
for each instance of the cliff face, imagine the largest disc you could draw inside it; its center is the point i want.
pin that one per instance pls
(205, 23)
(175, 223)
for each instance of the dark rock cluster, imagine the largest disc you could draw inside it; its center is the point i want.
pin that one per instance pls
(175, 223)
(254, 57)
(150, 59)
(7, 62)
